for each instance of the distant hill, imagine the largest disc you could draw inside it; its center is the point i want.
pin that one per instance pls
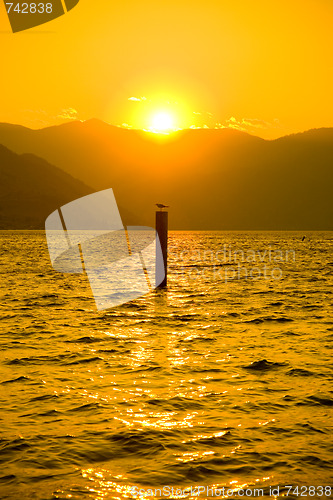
(213, 179)
(31, 188)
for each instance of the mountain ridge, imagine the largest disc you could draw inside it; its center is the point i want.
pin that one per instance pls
(31, 188)
(213, 179)
(97, 121)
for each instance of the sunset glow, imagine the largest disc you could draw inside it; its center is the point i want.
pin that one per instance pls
(243, 72)
(166, 243)
(162, 122)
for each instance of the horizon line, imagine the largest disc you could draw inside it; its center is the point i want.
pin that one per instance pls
(164, 133)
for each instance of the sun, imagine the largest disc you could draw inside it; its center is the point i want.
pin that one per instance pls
(162, 122)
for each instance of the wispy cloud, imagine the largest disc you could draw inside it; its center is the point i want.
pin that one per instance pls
(232, 122)
(206, 113)
(204, 119)
(137, 99)
(68, 114)
(195, 127)
(220, 125)
(251, 124)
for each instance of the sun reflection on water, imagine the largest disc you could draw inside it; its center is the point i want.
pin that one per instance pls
(115, 486)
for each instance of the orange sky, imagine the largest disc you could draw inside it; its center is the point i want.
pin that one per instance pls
(261, 66)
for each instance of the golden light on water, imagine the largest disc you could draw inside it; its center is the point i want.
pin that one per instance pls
(105, 483)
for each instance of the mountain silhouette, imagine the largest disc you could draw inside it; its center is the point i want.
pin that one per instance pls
(31, 188)
(212, 179)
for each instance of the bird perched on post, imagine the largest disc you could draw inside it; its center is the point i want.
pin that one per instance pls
(161, 206)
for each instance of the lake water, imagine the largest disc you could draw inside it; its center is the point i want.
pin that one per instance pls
(222, 380)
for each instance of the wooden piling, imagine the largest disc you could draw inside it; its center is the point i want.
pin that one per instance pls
(162, 231)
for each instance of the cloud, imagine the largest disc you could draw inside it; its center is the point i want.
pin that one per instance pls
(195, 127)
(68, 114)
(219, 125)
(251, 124)
(232, 122)
(204, 120)
(137, 99)
(256, 123)
(210, 115)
